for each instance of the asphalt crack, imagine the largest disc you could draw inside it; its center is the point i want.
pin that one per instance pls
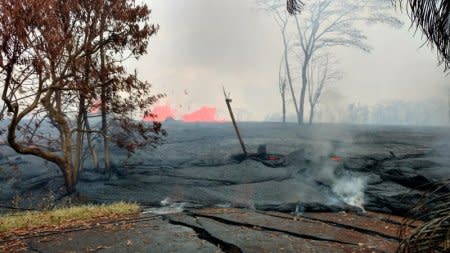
(350, 227)
(203, 234)
(271, 229)
(337, 224)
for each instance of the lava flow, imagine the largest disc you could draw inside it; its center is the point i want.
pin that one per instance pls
(204, 114)
(161, 113)
(336, 158)
(95, 107)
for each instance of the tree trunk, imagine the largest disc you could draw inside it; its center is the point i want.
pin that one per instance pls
(66, 161)
(307, 50)
(104, 101)
(79, 134)
(105, 132)
(311, 114)
(85, 115)
(89, 141)
(288, 71)
(301, 108)
(283, 100)
(70, 179)
(71, 175)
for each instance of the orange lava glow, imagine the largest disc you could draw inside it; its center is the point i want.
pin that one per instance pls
(95, 107)
(204, 114)
(336, 158)
(161, 113)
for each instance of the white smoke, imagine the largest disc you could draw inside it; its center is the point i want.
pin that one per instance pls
(346, 186)
(351, 190)
(167, 207)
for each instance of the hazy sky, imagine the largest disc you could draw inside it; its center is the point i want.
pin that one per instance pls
(203, 45)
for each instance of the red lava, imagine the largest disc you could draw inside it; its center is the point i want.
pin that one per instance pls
(161, 113)
(204, 114)
(336, 158)
(95, 107)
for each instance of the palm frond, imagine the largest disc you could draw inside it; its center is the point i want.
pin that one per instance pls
(294, 6)
(434, 234)
(433, 18)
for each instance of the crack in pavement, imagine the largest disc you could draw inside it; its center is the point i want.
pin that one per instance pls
(303, 236)
(203, 234)
(337, 224)
(345, 226)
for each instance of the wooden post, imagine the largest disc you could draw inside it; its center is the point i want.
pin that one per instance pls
(228, 101)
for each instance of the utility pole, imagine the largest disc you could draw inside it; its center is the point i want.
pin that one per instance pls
(228, 101)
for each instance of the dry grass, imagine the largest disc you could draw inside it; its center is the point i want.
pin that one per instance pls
(65, 216)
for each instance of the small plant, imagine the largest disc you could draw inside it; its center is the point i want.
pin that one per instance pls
(48, 202)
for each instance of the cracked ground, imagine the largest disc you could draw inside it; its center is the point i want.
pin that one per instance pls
(194, 170)
(232, 230)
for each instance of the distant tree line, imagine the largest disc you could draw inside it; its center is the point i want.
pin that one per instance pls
(421, 113)
(426, 112)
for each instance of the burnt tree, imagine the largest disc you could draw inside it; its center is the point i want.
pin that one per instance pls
(52, 71)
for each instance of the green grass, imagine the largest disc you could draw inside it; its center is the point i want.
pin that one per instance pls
(65, 216)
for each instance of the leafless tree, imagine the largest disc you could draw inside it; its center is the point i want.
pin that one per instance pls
(327, 23)
(282, 83)
(282, 19)
(432, 17)
(321, 73)
(321, 25)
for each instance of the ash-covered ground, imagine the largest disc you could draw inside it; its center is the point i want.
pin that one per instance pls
(329, 167)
